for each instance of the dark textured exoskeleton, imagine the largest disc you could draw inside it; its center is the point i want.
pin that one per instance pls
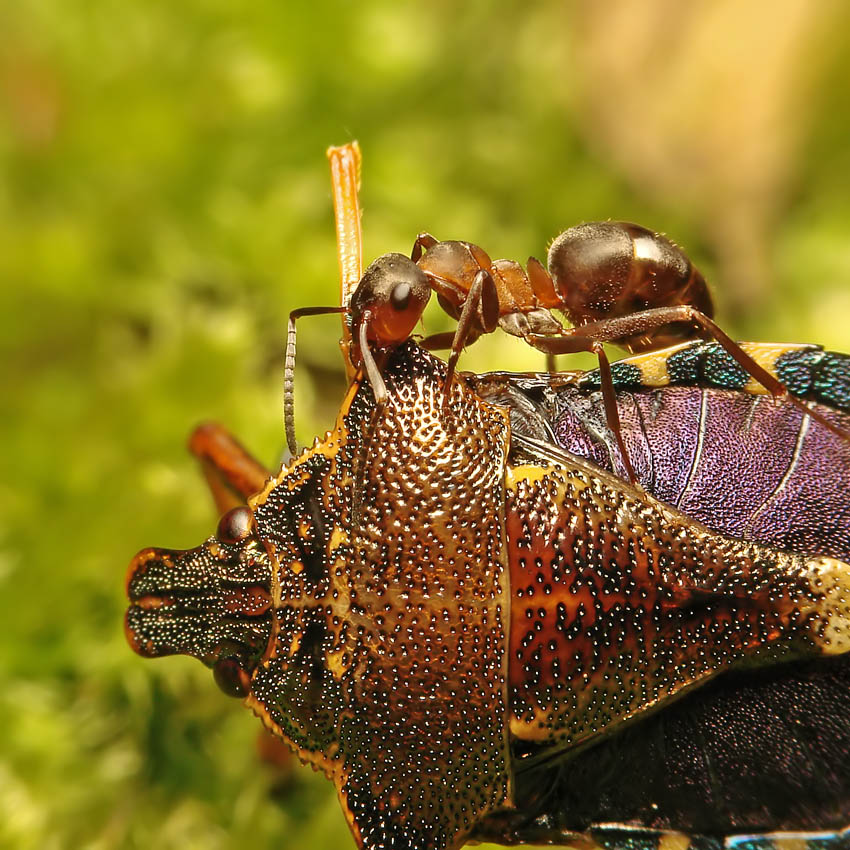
(476, 633)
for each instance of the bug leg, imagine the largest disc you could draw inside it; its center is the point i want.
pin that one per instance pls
(345, 184)
(646, 320)
(422, 243)
(573, 343)
(231, 472)
(289, 371)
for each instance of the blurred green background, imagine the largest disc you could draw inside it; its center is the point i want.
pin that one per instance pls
(164, 202)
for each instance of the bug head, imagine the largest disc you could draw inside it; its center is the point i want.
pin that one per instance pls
(395, 291)
(212, 602)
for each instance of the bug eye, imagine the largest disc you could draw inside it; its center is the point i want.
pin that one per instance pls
(231, 678)
(400, 296)
(235, 525)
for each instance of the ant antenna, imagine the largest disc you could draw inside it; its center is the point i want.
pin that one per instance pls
(289, 371)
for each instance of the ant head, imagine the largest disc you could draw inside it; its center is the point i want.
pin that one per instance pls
(395, 291)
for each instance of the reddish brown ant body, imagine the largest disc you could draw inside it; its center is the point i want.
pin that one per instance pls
(617, 283)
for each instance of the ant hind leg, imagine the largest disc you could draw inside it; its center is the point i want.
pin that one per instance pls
(572, 344)
(625, 327)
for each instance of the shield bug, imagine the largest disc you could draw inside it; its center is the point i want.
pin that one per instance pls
(481, 635)
(495, 608)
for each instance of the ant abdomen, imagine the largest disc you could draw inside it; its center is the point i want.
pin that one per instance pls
(608, 269)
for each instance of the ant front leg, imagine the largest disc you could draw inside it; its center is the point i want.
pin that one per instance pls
(572, 343)
(231, 472)
(610, 330)
(422, 243)
(480, 314)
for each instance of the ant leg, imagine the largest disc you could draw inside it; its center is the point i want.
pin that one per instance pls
(422, 243)
(437, 342)
(231, 472)
(480, 309)
(289, 371)
(551, 365)
(573, 344)
(646, 320)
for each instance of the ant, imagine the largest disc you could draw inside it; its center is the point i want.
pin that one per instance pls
(616, 282)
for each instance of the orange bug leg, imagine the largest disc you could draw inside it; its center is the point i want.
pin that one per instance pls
(345, 162)
(231, 472)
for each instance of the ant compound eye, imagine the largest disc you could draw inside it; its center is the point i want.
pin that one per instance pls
(231, 678)
(235, 525)
(400, 296)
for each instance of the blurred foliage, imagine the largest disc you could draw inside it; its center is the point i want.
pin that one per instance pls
(164, 202)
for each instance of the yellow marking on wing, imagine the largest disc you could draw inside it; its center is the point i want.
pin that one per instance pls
(653, 366)
(532, 474)
(766, 355)
(753, 387)
(789, 843)
(534, 730)
(334, 663)
(673, 841)
(829, 580)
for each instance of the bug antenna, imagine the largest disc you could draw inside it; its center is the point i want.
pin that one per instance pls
(289, 371)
